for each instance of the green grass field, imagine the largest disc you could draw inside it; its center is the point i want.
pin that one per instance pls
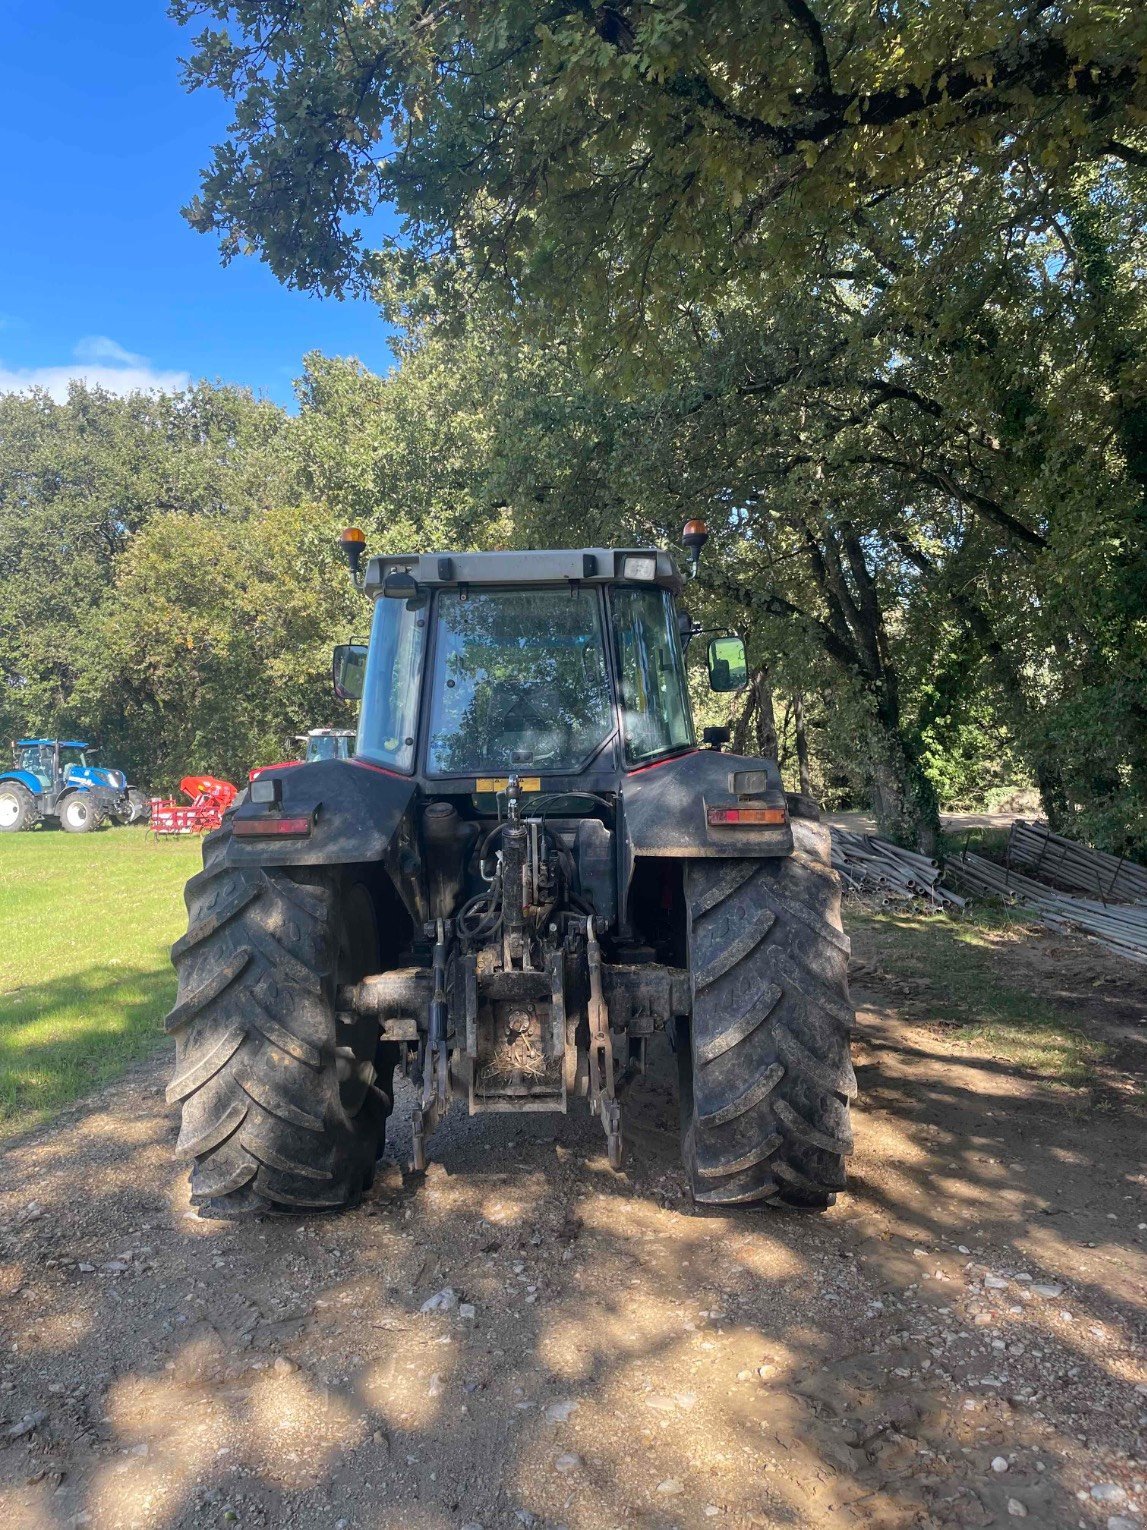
(86, 923)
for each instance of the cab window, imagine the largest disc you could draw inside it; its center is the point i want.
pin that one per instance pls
(651, 674)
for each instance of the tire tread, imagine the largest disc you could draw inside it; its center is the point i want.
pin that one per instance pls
(766, 1072)
(254, 1022)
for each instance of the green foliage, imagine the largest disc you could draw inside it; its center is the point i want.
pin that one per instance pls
(80, 484)
(212, 651)
(862, 287)
(619, 161)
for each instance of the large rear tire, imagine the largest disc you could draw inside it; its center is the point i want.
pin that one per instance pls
(17, 807)
(283, 1110)
(766, 1077)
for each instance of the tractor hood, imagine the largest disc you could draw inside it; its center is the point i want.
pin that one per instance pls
(87, 776)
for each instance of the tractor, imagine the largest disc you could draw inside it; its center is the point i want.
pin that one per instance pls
(53, 778)
(318, 744)
(527, 870)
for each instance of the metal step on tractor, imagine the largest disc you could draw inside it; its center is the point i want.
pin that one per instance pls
(526, 871)
(54, 779)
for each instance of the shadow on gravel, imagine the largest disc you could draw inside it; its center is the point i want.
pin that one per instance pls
(523, 1338)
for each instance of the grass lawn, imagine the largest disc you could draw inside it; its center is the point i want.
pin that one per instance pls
(971, 980)
(86, 923)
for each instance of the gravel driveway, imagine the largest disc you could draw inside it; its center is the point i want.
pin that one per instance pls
(523, 1338)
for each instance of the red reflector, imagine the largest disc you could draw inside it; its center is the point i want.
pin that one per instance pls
(259, 828)
(750, 815)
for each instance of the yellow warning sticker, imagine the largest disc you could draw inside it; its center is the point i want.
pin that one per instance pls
(500, 783)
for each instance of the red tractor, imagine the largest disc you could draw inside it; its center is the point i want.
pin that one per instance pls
(321, 744)
(526, 871)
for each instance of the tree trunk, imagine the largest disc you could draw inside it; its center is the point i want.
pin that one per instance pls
(802, 744)
(766, 717)
(903, 798)
(739, 728)
(1052, 794)
(852, 632)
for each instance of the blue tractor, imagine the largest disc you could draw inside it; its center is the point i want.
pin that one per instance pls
(52, 778)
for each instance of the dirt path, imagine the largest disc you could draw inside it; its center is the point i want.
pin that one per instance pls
(954, 823)
(958, 1342)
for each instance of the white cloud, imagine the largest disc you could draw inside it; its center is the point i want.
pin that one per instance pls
(99, 348)
(101, 363)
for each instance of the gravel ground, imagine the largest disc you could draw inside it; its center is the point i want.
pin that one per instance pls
(522, 1338)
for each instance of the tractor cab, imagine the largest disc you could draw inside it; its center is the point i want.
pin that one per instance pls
(566, 665)
(326, 744)
(35, 757)
(317, 744)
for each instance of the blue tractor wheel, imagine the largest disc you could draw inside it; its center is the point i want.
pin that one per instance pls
(79, 813)
(17, 807)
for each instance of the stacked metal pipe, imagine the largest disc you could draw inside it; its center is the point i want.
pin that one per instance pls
(1062, 861)
(872, 865)
(1120, 927)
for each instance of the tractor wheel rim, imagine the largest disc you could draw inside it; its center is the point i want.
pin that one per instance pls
(9, 808)
(77, 812)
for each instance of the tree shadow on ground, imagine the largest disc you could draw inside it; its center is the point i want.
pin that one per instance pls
(61, 1038)
(629, 1361)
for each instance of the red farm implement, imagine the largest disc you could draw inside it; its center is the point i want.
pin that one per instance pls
(209, 798)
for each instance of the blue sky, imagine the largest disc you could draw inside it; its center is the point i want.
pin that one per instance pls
(100, 146)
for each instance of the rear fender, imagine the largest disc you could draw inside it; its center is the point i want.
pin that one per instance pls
(25, 778)
(664, 808)
(359, 814)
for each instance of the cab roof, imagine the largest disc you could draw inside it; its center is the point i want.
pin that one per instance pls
(582, 565)
(64, 743)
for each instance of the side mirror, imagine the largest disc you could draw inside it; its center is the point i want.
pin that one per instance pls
(348, 671)
(728, 666)
(715, 738)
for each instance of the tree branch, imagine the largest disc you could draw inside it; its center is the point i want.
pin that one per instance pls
(942, 479)
(1127, 152)
(982, 85)
(822, 70)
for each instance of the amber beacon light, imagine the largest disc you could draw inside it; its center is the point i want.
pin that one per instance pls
(353, 544)
(694, 536)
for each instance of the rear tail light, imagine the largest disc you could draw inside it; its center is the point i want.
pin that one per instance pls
(260, 828)
(746, 815)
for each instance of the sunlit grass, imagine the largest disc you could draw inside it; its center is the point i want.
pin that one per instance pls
(974, 986)
(86, 923)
